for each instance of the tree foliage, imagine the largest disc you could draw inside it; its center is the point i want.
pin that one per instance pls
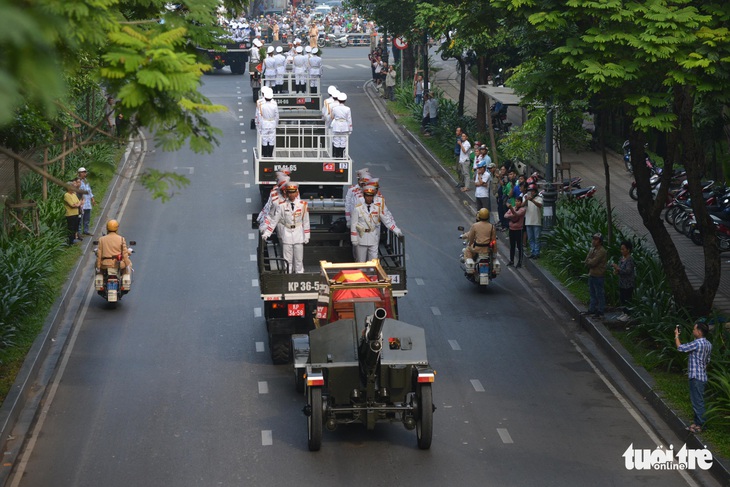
(142, 51)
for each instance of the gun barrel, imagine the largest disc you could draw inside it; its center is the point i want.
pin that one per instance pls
(376, 324)
(373, 344)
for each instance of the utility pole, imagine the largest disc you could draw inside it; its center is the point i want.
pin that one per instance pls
(425, 62)
(550, 195)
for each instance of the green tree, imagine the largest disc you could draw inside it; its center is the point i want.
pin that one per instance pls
(658, 60)
(141, 51)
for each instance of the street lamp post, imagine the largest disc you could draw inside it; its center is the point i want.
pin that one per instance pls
(550, 194)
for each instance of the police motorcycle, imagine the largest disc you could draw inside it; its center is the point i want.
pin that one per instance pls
(112, 283)
(486, 267)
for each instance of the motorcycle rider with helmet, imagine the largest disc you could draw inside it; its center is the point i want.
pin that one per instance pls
(111, 246)
(481, 236)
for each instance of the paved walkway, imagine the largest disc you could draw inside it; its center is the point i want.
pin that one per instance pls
(589, 166)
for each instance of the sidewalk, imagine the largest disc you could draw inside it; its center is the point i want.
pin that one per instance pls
(589, 166)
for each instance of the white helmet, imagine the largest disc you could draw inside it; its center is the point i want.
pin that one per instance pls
(270, 49)
(279, 49)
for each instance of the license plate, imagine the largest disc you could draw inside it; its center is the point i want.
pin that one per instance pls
(295, 309)
(483, 268)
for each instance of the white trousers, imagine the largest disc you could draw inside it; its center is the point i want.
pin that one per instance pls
(363, 253)
(294, 255)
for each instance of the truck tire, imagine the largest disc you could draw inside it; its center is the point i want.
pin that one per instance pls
(237, 67)
(320, 43)
(280, 349)
(314, 420)
(424, 422)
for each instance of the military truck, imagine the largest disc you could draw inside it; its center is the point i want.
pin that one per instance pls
(229, 52)
(290, 300)
(361, 364)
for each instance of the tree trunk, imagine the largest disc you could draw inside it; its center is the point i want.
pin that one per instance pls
(607, 172)
(409, 65)
(481, 97)
(683, 142)
(462, 85)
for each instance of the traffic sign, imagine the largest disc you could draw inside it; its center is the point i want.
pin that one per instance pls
(400, 43)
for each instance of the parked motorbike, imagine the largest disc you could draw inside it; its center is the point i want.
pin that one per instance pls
(111, 284)
(499, 117)
(482, 271)
(722, 232)
(329, 39)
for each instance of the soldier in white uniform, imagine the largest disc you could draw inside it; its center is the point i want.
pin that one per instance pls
(267, 118)
(300, 71)
(280, 70)
(276, 195)
(291, 219)
(254, 56)
(315, 70)
(354, 192)
(270, 67)
(365, 225)
(328, 104)
(341, 126)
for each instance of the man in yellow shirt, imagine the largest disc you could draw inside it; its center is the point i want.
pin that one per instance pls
(72, 204)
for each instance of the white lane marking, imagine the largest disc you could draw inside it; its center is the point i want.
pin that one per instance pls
(252, 236)
(240, 116)
(242, 124)
(257, 311)
(435, 311)
(454, 345)
(266, 438)
(345, 66)
(362, 66)
(249, 216)
(247, 185)
(419, 281)
(255, 283)
(248, 200)
(259, 347)
(246, 173)
(244, 149)
(637, 417)
(245, 160)
(504, 434)
(240, 102)
(263, 387)
(253, 257)
(478, 387)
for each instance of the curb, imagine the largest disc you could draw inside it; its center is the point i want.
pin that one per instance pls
(24, 398)
(636, 375)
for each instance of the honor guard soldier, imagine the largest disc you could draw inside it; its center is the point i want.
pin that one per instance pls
(270, 68)
(267, 118)
(315, 71)
(354, 192)
(300, 71)
(276, 195)
(291, 220)
(341, 125)
(280, 62)
(328, 104)
(254, 56)
(365, 225)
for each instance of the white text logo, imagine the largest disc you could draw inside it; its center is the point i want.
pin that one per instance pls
(666, 459)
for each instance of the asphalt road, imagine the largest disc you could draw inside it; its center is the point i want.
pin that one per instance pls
(175, 387)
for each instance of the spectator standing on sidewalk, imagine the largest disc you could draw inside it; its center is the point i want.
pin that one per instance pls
(502, 182)
(464, 161)
(418, 88)
(596, 262)
(72, 204)
(516, 216)
(87, 204)
(626, 271)
(457, 148)
(433, 111)
(533, 222)
(483, 184)
(390, 83)
(699, 351)
(426, 119)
